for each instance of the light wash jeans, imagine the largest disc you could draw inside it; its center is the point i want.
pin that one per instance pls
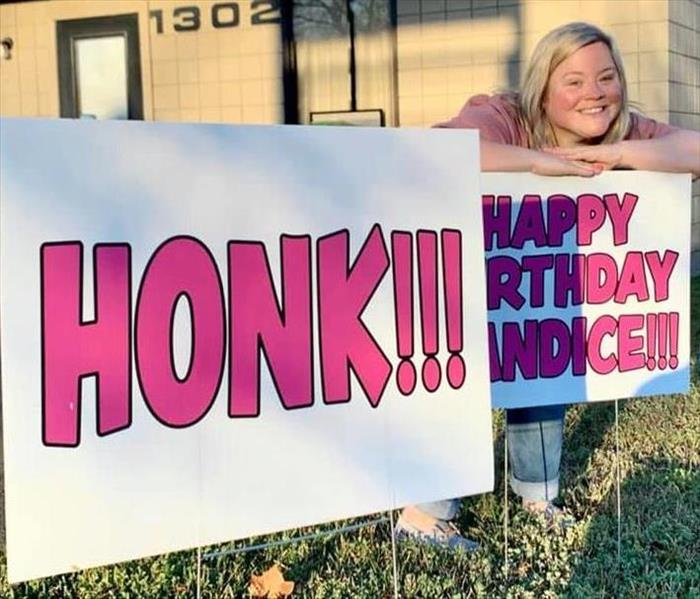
(535, 438)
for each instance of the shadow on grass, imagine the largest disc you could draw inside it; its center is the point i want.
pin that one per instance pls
(660, 524)
(660, 548)
(660, 494)
(587, 426)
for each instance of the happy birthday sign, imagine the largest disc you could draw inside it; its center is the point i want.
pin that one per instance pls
(587, 285)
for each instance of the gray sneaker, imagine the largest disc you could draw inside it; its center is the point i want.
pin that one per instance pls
(553, 517)
(441, 534)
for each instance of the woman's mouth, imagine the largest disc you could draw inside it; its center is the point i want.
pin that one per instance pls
(596, 110)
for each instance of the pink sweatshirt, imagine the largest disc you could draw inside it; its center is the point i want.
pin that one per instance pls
(497, 120)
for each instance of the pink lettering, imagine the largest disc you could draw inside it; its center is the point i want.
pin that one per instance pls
(620, 214)
(259, 323)
(630, 356)
(591, 215)
(601, 278)
(181, 266)
(632, 279)
(69, 342)
(344, 293)
(661, 270)
(604, 326)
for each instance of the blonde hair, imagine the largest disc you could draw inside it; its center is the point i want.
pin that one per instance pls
(551, 51)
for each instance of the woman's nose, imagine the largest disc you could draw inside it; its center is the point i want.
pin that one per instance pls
(593, 90)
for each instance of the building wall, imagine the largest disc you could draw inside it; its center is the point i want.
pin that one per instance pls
(684, 88)
(449, 50)
(446, 51)
(229, 74)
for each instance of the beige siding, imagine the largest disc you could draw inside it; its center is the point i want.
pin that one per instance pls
(226, 74)
(30, 78)
(216, 75)
(446, 51)
(684, 82)
(449, 51)
(447, 55)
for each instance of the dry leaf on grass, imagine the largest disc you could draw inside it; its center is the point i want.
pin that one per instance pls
(270, 584)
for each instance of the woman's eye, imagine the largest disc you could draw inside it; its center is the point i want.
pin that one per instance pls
(573, 83)
(607, 78)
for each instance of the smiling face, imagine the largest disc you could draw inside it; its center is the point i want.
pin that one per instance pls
(584, 95)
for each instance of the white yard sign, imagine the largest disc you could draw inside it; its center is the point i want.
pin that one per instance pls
(588, 286)
(213, 332)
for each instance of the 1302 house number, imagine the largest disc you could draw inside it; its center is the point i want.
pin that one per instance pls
(223, 15)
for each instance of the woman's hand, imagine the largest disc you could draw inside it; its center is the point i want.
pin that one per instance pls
(502, 157)
(675, 152)
(603, 157)
(550, 163)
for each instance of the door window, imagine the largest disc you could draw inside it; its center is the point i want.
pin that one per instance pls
(101, 77)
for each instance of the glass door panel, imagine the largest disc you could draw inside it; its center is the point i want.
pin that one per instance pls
(101, 77)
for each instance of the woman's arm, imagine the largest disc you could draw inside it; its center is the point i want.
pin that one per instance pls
(677, 152)
(502, 157)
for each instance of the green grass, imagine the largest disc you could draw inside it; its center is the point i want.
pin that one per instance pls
(660, 552)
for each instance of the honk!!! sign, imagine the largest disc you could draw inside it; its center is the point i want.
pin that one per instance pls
(213, 332)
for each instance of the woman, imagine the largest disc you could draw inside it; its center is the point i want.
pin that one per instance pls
(571, 117)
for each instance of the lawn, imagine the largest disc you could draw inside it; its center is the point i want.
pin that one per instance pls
(660, 553)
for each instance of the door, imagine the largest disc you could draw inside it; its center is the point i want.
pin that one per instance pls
(99, 67)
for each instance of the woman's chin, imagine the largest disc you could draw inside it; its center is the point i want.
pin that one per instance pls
(591, 135)
(598, 128)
